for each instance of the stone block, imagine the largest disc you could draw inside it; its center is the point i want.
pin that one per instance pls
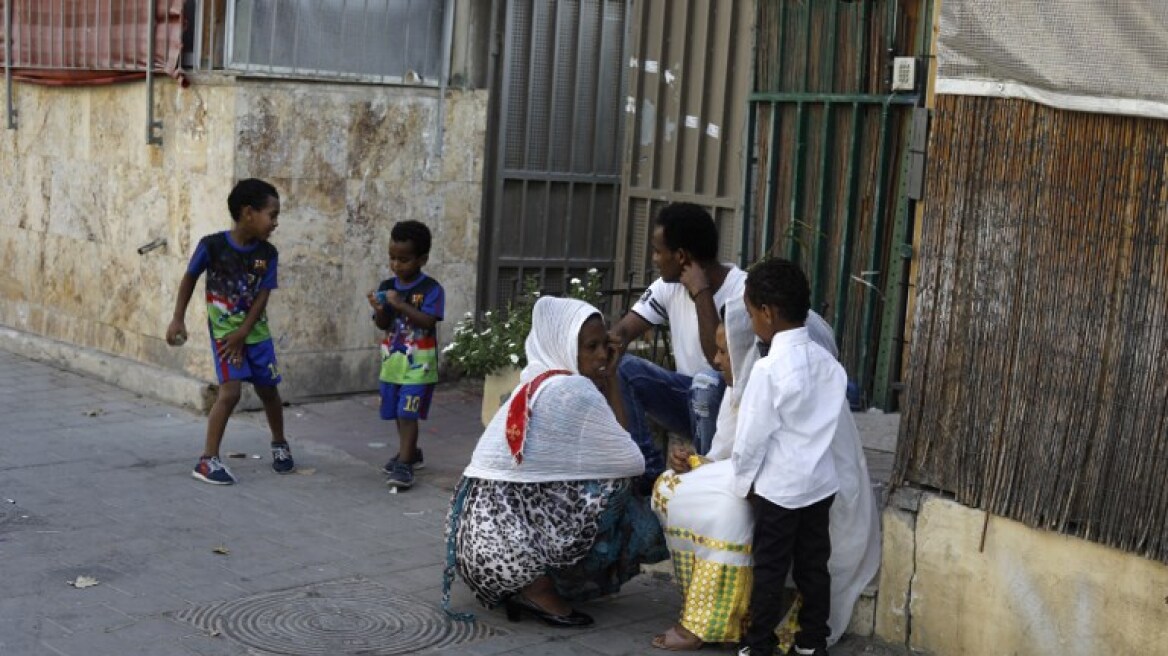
(78, 200)
(291, 131)
(897, 568)
(21, 252)
(312, 221)
(464, 146)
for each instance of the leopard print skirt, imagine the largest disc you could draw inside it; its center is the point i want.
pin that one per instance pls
(589, 536)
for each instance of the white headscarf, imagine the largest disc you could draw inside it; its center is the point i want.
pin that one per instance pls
(554, 338)
(741, 345)
(572, 433)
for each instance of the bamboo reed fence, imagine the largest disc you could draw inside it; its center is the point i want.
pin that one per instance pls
(1038, 382)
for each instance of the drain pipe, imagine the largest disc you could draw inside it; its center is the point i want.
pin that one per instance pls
(8, 64)
(444, 74)
(153, 128)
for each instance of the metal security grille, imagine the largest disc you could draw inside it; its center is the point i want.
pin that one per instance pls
(552, 204)
(689, 74)
(826, 182)
(86, 42)
(381, 41)
(78, 35)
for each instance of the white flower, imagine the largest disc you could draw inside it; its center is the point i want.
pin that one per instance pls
(575, 281)
(593, 271)
(487, 313)
(469, 315)
(486, 332)
(507, 325)
(450, 347)
(514, 359)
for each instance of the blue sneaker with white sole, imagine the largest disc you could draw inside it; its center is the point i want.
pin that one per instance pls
(210, 470)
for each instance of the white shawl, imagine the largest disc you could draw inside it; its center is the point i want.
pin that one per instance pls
(572, 433)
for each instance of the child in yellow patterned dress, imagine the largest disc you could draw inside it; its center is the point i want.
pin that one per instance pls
(707, 528)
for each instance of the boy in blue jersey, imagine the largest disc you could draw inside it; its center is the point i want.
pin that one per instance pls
(241, 273)
(408, 307)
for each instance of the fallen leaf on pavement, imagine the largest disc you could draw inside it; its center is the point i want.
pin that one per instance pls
(305, 471)
(222, 550)
(95, 412)
(215, 633)
(83, 582)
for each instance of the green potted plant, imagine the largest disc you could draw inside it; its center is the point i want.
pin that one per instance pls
(491, 345)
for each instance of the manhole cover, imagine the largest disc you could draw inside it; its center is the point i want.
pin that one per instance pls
(340, 617)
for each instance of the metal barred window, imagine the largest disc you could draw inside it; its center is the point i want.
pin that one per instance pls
(377, 41)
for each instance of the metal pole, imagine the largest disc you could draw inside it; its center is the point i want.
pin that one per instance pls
(8, 64)
(197, 46)
(444, 74)
(153, 127)
(229, 36)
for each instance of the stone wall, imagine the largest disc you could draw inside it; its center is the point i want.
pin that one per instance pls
(80, 191)
(956, 581)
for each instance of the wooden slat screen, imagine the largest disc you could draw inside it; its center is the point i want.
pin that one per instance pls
(1038, 383)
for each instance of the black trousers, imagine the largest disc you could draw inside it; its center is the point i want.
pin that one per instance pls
(782, 536)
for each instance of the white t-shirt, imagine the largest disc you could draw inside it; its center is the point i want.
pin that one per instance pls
(670, 301)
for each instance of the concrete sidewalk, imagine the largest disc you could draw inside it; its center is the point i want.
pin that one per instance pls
(95, 482)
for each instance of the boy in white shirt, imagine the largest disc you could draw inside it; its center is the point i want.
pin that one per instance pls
(782, 458)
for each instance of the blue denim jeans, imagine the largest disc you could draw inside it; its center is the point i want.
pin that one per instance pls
(681, 404)
(705, 398)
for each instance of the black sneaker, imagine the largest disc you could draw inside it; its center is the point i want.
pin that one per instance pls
(210, 470)
(418, 463)
(282, 462)
(402, 476)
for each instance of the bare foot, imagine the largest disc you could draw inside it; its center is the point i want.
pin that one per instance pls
(677, 638)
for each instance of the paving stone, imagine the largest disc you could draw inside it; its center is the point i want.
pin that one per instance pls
(111, 496)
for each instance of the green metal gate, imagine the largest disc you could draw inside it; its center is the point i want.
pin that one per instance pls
(828, 172)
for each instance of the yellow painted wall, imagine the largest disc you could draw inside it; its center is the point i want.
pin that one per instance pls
(1030, 591)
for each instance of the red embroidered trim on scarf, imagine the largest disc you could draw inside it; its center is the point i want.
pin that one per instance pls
(520, 411)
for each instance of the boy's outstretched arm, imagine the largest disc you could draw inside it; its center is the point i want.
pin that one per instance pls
(178, 324)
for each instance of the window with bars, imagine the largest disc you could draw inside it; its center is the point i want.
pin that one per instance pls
(378, 41)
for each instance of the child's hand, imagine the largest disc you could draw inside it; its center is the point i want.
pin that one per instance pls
(231, 348)
(372, 296)
(176, 333)
(393, 299)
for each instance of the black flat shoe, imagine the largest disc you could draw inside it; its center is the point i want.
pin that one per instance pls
(518, 605)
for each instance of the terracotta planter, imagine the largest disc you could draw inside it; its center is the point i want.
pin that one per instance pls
(496, 388)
